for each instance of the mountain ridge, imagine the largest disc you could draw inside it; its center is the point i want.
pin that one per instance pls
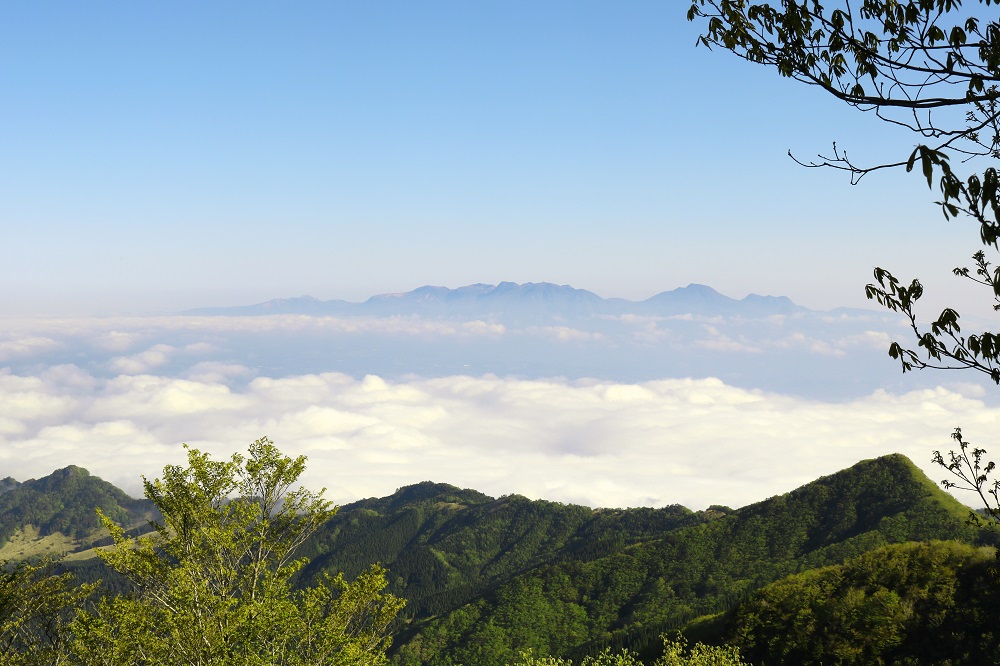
(473, 565)
(511, 298)
(486, 577)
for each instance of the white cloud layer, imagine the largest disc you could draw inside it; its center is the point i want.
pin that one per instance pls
(822, 356)
(693, 442)
(793, 397)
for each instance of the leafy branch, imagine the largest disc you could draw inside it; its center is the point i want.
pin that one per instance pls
(969, 466)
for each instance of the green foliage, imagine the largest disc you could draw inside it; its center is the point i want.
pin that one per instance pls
(212, 584)
(916, 603)
(675, 653)
(35, 608)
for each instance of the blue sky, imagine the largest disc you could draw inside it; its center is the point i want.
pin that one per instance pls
(156, 157)
(159, 156)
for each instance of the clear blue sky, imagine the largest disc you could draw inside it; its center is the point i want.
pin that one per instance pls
(159, 156)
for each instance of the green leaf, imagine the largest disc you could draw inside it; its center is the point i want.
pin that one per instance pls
(926, 165)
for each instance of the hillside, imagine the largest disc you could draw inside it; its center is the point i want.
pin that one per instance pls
(445, 546)
(486, 577)
(56, 514)
(916, 603)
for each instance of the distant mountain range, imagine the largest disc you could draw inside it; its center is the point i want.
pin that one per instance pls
(509, 298)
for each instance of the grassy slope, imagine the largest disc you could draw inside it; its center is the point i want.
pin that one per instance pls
(28, 544)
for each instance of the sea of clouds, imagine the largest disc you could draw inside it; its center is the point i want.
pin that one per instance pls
(641, 412)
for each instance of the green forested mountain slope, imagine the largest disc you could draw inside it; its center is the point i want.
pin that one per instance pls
(916, 603)
(486, 578)
(8, 483)
(444, 546)
(64, 502)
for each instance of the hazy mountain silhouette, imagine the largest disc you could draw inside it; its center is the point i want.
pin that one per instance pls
(531, 299)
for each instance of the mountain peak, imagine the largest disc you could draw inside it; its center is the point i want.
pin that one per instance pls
(696, 288)
(71, 471)
(420, 493)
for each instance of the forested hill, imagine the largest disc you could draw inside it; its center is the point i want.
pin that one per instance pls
(63, 504)
(487, 577)
(444, 546)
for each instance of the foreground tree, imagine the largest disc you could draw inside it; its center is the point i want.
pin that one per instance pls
(212, 584)
(36, 606)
